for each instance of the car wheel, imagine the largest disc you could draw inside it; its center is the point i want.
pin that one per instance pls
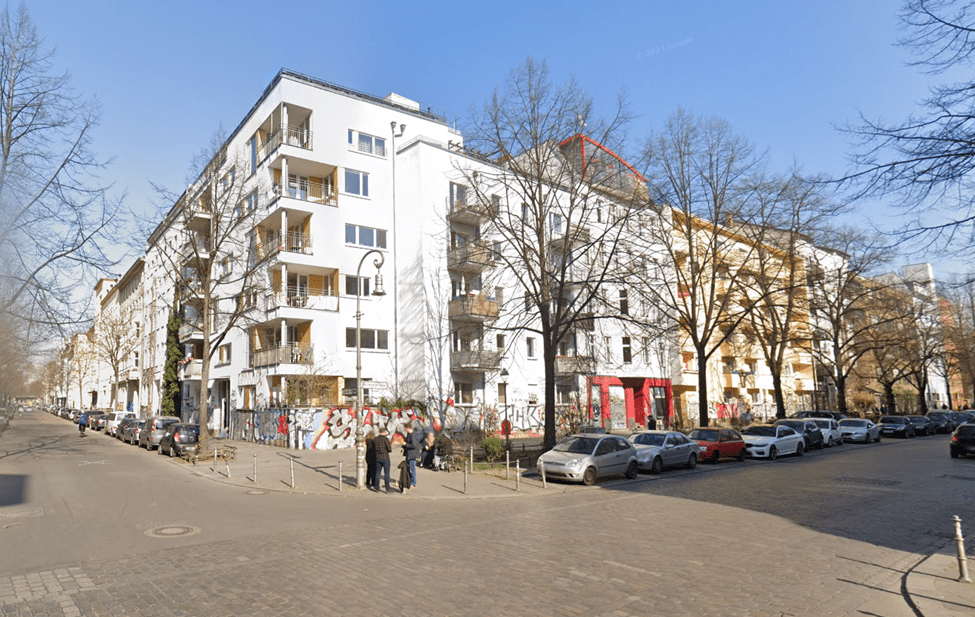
(589, 478)
(773, 453)
(715, 457)
(657, 466)
(632, 470)
(954, 454)
(741, 456)
(692, 461)
(800, 449)
(820, 445)
(877, 440)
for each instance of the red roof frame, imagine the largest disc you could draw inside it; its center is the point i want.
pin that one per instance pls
(582, 151)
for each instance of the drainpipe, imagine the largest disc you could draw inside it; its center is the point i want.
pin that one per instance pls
(392, 132)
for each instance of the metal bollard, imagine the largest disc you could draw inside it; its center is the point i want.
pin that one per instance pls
(541, 470)
(518, 474)
(507, 465)
(255, 469)
(962, 558)
(472, 458)
(465, 477)
(214, 460)
(340, 477)
(227, 463)
(292, 472)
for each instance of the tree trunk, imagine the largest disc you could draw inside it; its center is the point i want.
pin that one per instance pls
(922, 387)
(890, 402)
(548, 357)
(840, 393)
(702, 389)
(779, 397)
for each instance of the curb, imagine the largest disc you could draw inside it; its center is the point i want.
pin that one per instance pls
(931, 587)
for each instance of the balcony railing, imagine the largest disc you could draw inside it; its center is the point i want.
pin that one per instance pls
(301, 298)
(477, 360)
(190, 330)
(468, 211)
(295, 353)
(573, 365)
(292, 136)
(470, 257)
(315, 192)
(573, 234)
(193, 370)
(475, 308)
(290, 242)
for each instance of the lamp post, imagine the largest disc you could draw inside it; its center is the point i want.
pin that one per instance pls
(360, 450)
(507, 423)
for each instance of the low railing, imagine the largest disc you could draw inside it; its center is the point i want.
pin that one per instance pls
(476, 360)
(471, 207)
(301, 298)
(295, 353)
(189, 329)
(293, 136)
(572, 365)
(473, 307)
(193, 369)
(290, 242)
(470, 255)
(315, 192)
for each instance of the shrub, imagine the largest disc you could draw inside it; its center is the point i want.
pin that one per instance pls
(493, 448)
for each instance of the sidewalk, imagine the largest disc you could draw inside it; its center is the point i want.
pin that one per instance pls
(933, 584)
(316, 472)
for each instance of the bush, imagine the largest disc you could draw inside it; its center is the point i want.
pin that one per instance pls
(493, 448)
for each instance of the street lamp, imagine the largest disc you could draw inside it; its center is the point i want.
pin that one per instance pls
(507, 423)
(360, 450)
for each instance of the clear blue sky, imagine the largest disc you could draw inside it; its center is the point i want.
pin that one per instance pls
(784, 74)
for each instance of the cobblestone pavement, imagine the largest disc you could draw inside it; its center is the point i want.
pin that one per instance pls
(770, 539)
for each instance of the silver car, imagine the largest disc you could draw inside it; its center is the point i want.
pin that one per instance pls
(588, 457)
(855, 429)
(658, 449)
(830, 428)
(153, 431)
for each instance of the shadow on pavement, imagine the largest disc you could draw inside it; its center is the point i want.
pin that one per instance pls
(13, 489)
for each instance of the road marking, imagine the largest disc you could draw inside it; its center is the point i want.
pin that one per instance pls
(22, 512)
(102, 462)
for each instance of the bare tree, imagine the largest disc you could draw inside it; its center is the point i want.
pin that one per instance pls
(928, 159)
(53, 212)
(700, 250)
(114, 341)
(83, 354)
(959, 328)
(559, 197)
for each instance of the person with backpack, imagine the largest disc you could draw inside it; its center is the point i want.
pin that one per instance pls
(82, 423)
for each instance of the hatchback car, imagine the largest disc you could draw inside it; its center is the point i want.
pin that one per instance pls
(764, 440)
(896, 425)
(856, 429)
(830, 428)
(921, 425)
(962, 441)
(658, 449)
(587, 457)
(125, 425)
(180, 440)
(114, 418)
(153, 431)
(811, 435)
(130, 430)
(96, 420)
(715, 444)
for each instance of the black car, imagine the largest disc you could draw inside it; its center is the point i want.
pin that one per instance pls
(808, 429)
(94, 418)
(125, 424)
(963, 441)
(896, 426)
(942, 421)
(921, 425)
(961, 417)
(180, 440)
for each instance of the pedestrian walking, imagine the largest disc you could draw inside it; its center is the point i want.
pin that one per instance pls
(370, 459)
(411, 450)
(651, 422)
(382, 449)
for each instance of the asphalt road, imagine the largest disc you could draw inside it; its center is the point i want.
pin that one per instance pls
(832, 533)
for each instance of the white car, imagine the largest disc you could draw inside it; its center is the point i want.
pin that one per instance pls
(855, 429)
(114, 418)
(830, 428)
(764, 440)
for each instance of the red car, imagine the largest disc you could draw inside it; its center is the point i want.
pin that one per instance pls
(719, 443)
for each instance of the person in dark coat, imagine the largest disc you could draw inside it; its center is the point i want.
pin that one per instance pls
(404, 476)
(411, 450)
(382, 449)
(370, 459)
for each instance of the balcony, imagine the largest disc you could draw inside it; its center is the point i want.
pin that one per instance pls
(314, 192)
(299, 298)
(805, 385)
(290, 242)
(294, 353)
(573, 365)
(198, 217)
(470, 257)
(585, 321)
(475, 361)
(190, 331)
(575, 235)
(197, 246)
(192, 370)
(473, 308)
(289, 136)
(132, 374)
(465, 213)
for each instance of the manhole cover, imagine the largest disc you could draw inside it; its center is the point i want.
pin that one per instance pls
(172, 531)
(255, 492)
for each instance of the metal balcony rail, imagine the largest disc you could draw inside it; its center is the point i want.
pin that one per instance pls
(290, 242)
(190, 328)
(473, 253)
(469, 204)
(193, 369)
(293, 353)
(475, 360)
(292, 136)
(479, 306)
(302, 298)
(306, 190)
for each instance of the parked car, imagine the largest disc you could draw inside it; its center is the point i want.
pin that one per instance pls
(715, 444)
(896, 425)
(830, 428)
(93, 420)
(114, 418)
(123, 426)
(962, 442)
(810, 432)
(100, 422)
(587, 457)
(591, 428)
(812, 413)
(921, 425)
(961, 417)
(855, 429)
(180, 440)
(153, 431)
(942, 421)
(765, 440)
(129, 428)
(656, 450)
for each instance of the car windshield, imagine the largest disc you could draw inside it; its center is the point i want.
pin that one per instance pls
(576, 445)
(853, 423)
(822, 423)
(189, 433)
(760, 431)
(648, 439)
(891, 420)
(701, 434)
(793, 424)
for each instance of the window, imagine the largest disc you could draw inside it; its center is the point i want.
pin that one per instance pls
(500, 343)
(528, 301)
(563, 395)
(627, 352)
(608, 346)
(353, 289)
(458, 196)
(502, 394)
(371, 339)
(252, 145)
(356, 183)
(555, 223)
(524, 212)
(367, 143)
(463, 393)
(135, 359)
(224, 357)
(365, 236)
(496, 248)
(226, 266)
(228, 180)
(624, 303)
(646, 350)
(531, 346)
